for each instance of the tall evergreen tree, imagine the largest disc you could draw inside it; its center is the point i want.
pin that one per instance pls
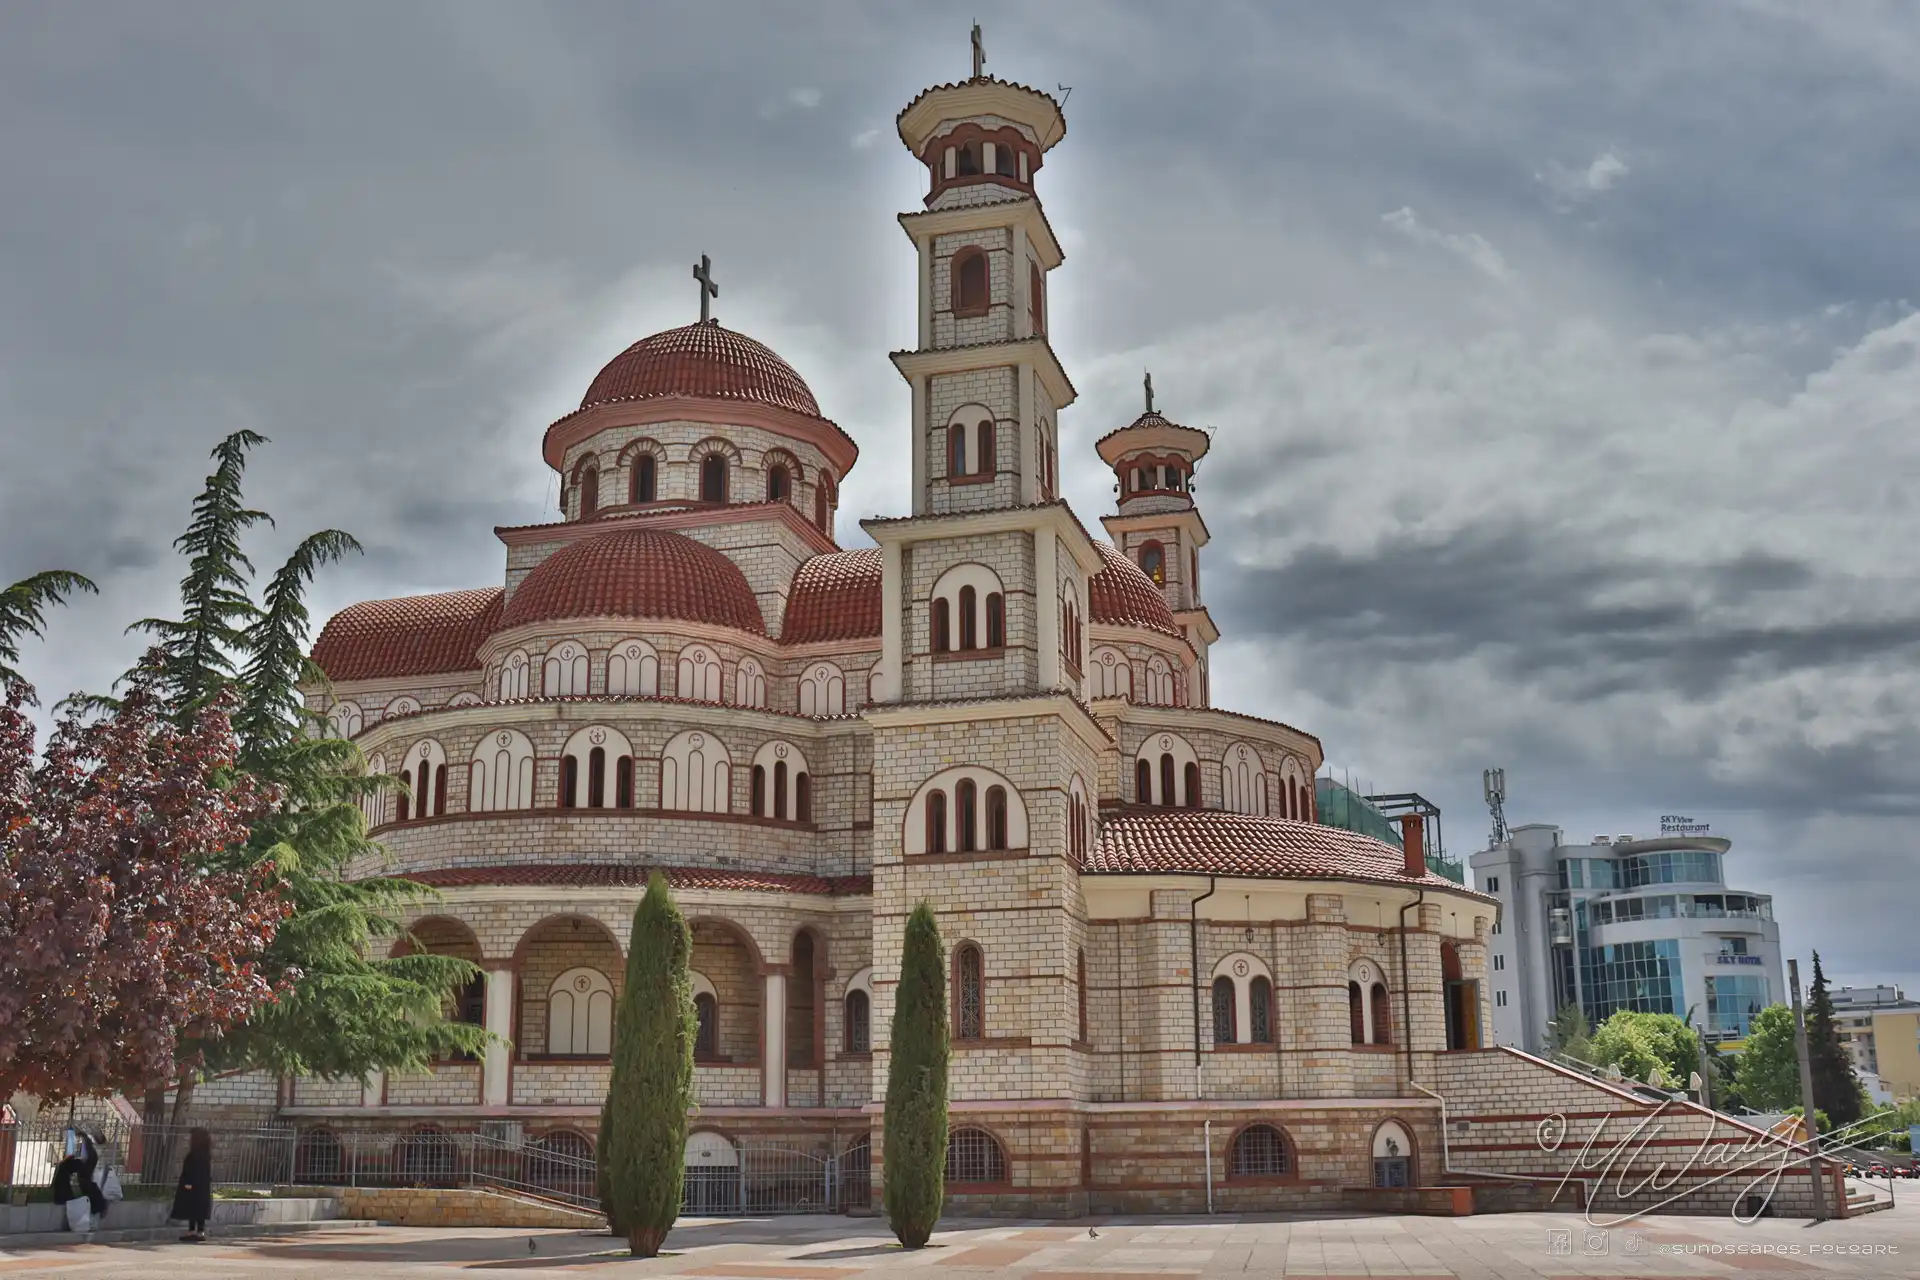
(915, 1153)
(1836, 1090)
(23, 612)
(643, 1125)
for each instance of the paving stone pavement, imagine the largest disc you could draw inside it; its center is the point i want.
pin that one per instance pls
(1527, 1246)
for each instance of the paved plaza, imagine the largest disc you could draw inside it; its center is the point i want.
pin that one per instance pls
(1505, 1246)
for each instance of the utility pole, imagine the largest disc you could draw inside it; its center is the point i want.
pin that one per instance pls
(1806, 1092)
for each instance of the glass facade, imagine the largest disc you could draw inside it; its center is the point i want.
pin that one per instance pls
(1679, 866)
(1641, 976)
(1667, 906)
(1733, 1001)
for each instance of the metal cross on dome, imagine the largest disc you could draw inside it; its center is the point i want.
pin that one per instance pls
(1148, 380)
(979, 54)
(708, 289)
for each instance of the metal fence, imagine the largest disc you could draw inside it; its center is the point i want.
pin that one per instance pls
(559, 1166)
(146, 1155)
(773, 1179)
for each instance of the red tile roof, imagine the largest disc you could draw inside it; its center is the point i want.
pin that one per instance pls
(702, 360)
(1151, 418)
(630, 876)
(636, 573)
(411, 636)
(1122, 595)
(834, 597)
(1140, 841)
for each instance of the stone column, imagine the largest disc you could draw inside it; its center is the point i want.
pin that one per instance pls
(773, 1042)
(494, 1072)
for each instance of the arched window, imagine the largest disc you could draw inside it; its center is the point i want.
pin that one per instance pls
(936, 822)
(757, 792)
(970, 281)
(823, 691)
(373, 803)
(966, 815)
(971, 590)
(749, 684)
(1243, 780)
(1153, 562)
(996, 620)
(1259, 1151)
(1260, 1010)
(1166, 779)
(633, 669)
(969, 995)
(426, 777)
(1356, 1013)
(1112, 674)
(1392, 1156)
(713, 478)
(986, 458)
(974, 1159)
(696, 774)
(942, 626)
(956, 451)
(1191, 779)
(969, 628)
(779, 483)
(590, 768)
(803, 797)
(580, 1014)
(1382, 1013)
(996, 817)
(569, 781)
(1004, 161)
(1224, 998)
(1080, 986)
(706, 1040)
(1142, 781)
(587, 481)
(345, 719)
(858, 1017)
(779, 775)
(515, 669)
(1036, 298)
(1160, 691)
(644, 482)
(820, 508)
(404, 705)
(969, 159)
(564, 673)
(500, 774)
(1369, 1012)
(697, 677)
(623, 783)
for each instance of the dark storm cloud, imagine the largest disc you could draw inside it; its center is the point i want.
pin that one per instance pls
(1558, 352)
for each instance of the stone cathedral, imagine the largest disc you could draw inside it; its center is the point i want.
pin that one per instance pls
(1171, 985)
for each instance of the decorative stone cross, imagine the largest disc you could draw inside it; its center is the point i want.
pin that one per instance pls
(708, 289)
(1148, 380)
(979, 54)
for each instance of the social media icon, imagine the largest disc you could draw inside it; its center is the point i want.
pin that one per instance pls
(1635, 1244)
(1559, 1244)
(1594, 1243)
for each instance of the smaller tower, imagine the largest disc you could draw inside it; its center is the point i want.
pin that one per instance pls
(1158, 526)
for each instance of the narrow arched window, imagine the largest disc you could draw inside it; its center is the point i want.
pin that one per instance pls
(424, 790)
(820, 506)
(1259, 1152)
(987, 459)
(937, 822)
(1166, 781)
(757, 795)
(1142, 782)
(780, 789)
(1192, 780)
(1004, 161)
(597, 778)
(969, 159)
(802, 798)
(1382, 1009)
(1223, 1011)
(965, 817)
(942, 626)
(1260, 1010)
(706, 1040)
(996, 620)
(623, 783)
(969, 996)
(644, 484)
(400, 801)
(996, 817)
(779, 486)
(1036, 298)
(713, 478)
(970, 283)
(969, 625)
(1356, 1014)
(1153, 562)
(1081, 983)
(956, 451)
(569, 781)
(858, 1020)
(439, 789)
(589, 483)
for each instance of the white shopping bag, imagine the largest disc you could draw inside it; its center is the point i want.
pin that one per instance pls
(110, 1186)
(79, 1214)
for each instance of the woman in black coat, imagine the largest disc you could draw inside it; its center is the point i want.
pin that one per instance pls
(193, 1198)
(73, 1177)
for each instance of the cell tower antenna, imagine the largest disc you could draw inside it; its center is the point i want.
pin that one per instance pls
(1493, 783)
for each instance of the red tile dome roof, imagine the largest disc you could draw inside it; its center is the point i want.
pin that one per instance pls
(411, 636)
(636, 573)
(834, 597)
(1122, 595)
(706, 361)
(1140, 841)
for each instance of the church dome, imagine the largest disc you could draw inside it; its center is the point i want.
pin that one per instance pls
(1122, 595)
(834, 597)
(704, 361)
(636, 573)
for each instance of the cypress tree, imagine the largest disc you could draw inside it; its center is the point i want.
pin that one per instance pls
(643, 1126)
(1836, 1090)
(915, 1156)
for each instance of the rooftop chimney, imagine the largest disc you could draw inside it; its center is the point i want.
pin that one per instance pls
(1413, 844)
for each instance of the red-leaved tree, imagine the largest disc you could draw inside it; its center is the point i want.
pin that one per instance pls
(120, 934)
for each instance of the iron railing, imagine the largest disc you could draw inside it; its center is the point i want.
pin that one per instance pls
(146, 1155)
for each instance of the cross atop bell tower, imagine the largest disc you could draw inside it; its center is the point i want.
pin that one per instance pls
(979, 55)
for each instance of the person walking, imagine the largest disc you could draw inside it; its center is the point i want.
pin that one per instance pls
(193, 1198)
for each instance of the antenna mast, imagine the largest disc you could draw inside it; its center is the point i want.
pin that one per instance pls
(1493, 783)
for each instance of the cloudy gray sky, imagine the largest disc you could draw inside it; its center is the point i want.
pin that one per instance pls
(1561, 355)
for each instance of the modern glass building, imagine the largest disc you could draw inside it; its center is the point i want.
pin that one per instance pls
(1620, 923)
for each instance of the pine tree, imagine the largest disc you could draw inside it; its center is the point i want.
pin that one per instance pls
(643, 1126)
(23, 612)
(915, 1154)
(1836, 1090)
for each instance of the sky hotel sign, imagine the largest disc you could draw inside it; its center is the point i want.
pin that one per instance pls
(1674, 824)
